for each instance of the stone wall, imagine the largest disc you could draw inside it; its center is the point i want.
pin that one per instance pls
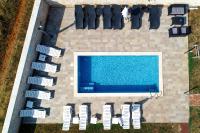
(17, 100)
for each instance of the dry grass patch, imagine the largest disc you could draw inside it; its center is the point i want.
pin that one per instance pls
(194, 21)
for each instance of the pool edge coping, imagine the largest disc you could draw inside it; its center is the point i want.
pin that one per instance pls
(76, 94)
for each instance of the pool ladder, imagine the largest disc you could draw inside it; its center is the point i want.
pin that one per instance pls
(156, 94)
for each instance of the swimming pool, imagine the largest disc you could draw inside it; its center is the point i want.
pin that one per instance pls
(113, 73)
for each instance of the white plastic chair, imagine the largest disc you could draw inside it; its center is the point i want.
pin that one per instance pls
(75, 120)
(107, 117)
(33, 113)
(93, 120)
(45, 67)
(46, 95)
(29, 104)
(115, 120)
(48, 50)
(43, 81)
(125, 13)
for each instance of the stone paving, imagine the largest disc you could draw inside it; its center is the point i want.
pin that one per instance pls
(173, 106)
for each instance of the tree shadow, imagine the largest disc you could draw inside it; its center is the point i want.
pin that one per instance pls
(66, 27)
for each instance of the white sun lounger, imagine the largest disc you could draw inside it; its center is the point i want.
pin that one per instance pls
(46, 95)
(107, 117)
(45, 67)
(125, 116)
(136, 116)
(83, 114)
(33, 113)
(48, 50)
(67, 117)
(43, 81)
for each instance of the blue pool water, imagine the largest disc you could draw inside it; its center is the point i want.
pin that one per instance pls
(118, 74)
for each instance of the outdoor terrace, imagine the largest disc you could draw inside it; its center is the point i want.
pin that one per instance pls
(171, 107)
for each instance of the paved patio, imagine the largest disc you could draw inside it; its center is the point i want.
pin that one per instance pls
(172, 107)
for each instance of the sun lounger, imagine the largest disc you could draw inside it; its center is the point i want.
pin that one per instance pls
(179, 31)
(42, 81)
(79, 17)
(46, 95)
(33, 113)
(178, 9)
(154, 17)
(54, 52)
(125, 116)
(120, 122)
(91, 14)
(136, 116)
(136, 17)
(83, 114)
(107, 117)
(67, 116)
(107, 16)
(99, 10)
(117, 17)
(45, 67)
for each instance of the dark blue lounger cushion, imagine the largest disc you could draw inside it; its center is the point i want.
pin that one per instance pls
(79, 16)
(154, 17)
(91, 17)
(117, 17)
(107, 16)
(136, 15)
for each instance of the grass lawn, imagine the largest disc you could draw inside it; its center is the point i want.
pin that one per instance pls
(13, 43)
(56, 128)
(194, 120)
(194, 64)
(194, 69)
(194, 74)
